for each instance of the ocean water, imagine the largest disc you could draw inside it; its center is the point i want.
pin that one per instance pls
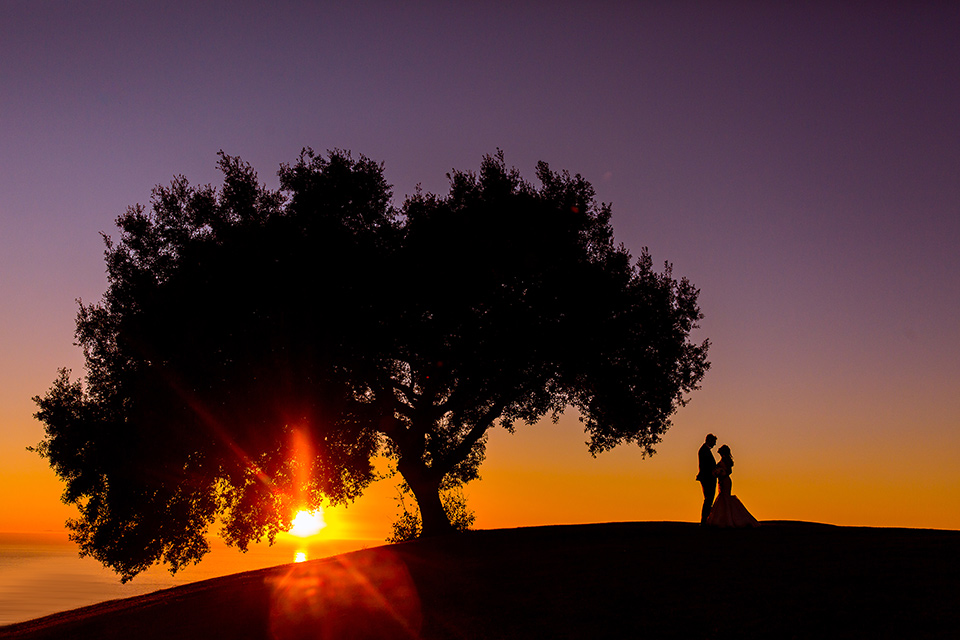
(42, 573)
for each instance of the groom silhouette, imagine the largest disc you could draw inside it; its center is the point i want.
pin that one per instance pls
(705, 477)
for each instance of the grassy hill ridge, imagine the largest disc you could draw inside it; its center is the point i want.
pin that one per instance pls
(614, 580)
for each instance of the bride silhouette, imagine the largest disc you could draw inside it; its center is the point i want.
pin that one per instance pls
(728, 511)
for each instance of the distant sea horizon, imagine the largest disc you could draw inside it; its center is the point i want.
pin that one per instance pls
(42, 573)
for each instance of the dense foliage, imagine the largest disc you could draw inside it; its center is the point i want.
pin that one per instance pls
(255, 348)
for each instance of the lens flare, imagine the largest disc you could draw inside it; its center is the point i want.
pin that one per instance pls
(365, 595)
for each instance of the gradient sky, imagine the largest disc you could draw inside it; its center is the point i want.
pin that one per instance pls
(799, 162)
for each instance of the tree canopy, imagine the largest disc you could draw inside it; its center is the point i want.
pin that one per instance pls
(255, 349)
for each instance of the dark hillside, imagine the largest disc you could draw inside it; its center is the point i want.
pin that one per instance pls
(623, 580)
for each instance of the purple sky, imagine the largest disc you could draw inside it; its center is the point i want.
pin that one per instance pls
(800, 164)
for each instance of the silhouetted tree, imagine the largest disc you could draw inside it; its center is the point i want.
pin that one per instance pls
(255, 349)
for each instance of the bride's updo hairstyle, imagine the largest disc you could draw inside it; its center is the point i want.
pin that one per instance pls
(724, 452)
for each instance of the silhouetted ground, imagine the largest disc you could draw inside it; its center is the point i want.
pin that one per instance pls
(624, 580)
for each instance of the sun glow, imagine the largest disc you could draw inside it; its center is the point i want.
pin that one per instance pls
(307, 523)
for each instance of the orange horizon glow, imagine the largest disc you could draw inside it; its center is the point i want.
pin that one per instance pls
(542, 475)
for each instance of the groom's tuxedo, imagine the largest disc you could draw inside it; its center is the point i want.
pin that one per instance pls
(706, 478)
(708, 464)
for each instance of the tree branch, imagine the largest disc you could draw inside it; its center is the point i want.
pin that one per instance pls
(460, 452)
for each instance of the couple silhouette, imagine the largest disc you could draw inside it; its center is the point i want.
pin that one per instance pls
(727, 510)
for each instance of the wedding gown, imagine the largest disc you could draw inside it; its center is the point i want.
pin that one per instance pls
(727, 510)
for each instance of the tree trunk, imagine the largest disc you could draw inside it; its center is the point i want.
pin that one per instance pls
(427, 492)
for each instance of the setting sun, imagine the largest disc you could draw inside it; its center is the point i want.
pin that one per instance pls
(308, 523)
